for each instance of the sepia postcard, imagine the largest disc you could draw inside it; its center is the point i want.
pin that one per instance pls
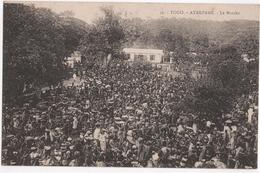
(127, 84)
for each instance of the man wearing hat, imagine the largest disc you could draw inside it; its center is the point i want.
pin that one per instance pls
(227, 129)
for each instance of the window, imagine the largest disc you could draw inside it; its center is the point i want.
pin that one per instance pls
(128, 56)
(152, 57)
(166, 59)
(136, 57)
(141, 56)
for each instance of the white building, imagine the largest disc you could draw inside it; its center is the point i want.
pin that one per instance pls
(75, 57)
(144, 55)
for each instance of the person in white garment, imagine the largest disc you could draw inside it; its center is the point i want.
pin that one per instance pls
(75, 123)
(250, 113)
(74, 77)
(96, 132)
(87, 104)
(227, 129)
(103, 140)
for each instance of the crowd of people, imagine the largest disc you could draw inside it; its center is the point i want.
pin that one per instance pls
(125, 116)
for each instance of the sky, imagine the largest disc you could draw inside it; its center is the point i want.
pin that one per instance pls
(89, 11)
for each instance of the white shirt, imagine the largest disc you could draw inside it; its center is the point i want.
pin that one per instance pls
(250, 112)
(234, 128)
(208, 123)
(96, 133)
(155, 156)
(74, 76)
(180, 129)
(102, 137)
(75, 123)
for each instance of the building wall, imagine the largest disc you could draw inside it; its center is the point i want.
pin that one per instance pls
(144, 55)
(158, 59)
(153, 58)
(132, 56)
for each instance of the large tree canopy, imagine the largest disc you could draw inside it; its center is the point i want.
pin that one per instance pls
(36, 41)
(104, 37)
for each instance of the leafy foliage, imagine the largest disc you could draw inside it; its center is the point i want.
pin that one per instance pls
(36, 41)
(104, 37)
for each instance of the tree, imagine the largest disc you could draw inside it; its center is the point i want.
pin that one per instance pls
(133, 31)
(225, 67)
(199, 42)
(172, 41)
(228, 78)
(211, 101)
(104, 38)
(36, 41)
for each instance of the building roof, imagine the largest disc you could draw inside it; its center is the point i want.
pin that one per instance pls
(144, 51)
